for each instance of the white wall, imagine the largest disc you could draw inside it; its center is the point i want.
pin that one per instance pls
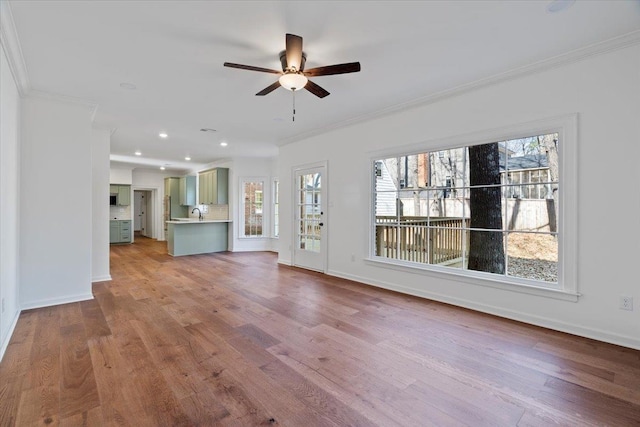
(55, 170)
(120, 175)
(605, 92)
(9, 201)
(100, 147)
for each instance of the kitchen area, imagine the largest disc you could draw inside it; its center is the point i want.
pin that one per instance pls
(196, 212)
(194, 209)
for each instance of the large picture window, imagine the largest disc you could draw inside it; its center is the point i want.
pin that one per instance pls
(487, 210)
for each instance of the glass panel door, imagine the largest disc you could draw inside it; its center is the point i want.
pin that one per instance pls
(310, 219)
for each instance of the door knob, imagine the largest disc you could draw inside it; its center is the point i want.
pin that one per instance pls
(321, 224)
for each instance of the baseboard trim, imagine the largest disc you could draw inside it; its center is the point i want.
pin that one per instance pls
(287, 262)
(256, 248)
(7, 338)
(56, 301)
(596, 334)
(105, 278)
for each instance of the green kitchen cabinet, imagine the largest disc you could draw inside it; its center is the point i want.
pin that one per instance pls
(119, 231)
(196, 237)
(114, 231)
(204, 188)
(214, 187)
(172, 190)
(124, 195)
(187, 190)
(125, 231)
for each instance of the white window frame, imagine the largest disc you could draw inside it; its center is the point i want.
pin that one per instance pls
(275, 208)
(265, 202)
(567, 287)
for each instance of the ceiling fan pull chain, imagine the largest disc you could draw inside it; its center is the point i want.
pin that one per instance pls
(293, 117)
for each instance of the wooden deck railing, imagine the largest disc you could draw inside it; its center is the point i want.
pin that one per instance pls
(418, 239)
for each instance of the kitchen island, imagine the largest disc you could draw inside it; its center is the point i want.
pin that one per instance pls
(187, 236)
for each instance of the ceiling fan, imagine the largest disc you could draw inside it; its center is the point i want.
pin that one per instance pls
(293, 75)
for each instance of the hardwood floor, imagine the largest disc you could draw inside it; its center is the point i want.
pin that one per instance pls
(235, 339)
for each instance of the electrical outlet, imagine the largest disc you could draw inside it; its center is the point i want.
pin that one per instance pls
(353, 258)
(626, 303)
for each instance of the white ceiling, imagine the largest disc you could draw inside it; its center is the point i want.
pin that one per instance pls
(173, 52)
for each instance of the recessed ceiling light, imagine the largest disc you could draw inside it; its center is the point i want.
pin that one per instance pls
(162, 168)
(223, 144)
(163, 135)
(187, 158)
(559, 5)
(138, 153)
(128, 86)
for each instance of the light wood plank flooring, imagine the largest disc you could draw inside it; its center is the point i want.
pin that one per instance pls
(235, 339)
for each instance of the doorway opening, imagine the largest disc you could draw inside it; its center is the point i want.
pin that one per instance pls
(142, 217)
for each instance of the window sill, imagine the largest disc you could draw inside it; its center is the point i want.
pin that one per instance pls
(475, 278)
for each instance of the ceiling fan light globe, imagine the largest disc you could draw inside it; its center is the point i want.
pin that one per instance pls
(293, 81)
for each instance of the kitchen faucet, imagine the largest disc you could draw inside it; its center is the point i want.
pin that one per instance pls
(199, 213)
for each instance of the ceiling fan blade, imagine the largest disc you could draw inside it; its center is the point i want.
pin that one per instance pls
(269, 89)
(351, 67)
(251, 68)
(316, 90)
(294, 51)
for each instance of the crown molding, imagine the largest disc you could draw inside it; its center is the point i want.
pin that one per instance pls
(92, 107)
(11, 45)
(152, 163)
(573, 56)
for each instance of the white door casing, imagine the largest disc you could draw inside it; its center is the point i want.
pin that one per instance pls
(140, 211)
(137, 202)
(154, 224)
(310, 218)
(144, 206)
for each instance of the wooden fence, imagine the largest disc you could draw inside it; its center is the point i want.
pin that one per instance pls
(434, 240)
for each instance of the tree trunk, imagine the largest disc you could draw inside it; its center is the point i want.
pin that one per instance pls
(486, 248)
(413, 182)
(550, 145)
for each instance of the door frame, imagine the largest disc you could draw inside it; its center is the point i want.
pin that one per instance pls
(137, 217)
(324, 251)
(154, 216)
(146, 225)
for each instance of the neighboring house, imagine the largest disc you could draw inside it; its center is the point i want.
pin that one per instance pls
(529, 175)
(437, 186)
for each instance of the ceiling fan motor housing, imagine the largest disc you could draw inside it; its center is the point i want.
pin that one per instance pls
(283, 61)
